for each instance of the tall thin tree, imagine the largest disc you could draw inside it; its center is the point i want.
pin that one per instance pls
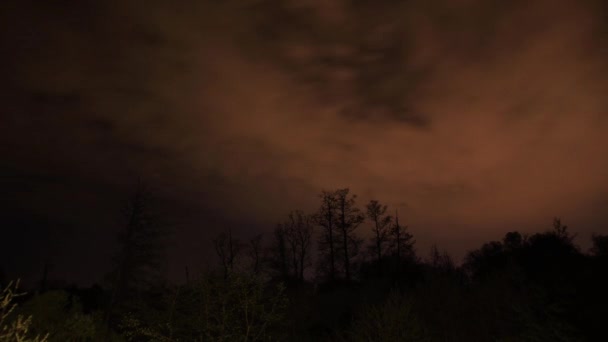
(326, 219)
(141, 253)
(255, 252)
(304, 237)
(299, 235)
(227, 249)
(349, 218)
(278, 254)
(401, 240)
(381, 222)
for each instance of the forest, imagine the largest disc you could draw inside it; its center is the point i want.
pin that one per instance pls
(315, 278)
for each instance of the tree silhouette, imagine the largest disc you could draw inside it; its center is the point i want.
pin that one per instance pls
(326, 219)
(600, 245)
(279, 254)
(349, 218)
(519, 288)
(490, 258)
(255, 252)
(298, 233)
(401, 241)
(138, 263)
(381, 222)
(513, 241)
(293, 239)
(227, 249)
(561, 230)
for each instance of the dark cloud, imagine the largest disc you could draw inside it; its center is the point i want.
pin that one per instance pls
(471, 117)
(354, 56)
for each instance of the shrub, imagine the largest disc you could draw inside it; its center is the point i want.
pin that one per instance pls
(15, 329)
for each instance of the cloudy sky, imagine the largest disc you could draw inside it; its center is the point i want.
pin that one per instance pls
(470, 117)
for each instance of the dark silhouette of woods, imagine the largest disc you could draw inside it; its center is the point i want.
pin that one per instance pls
(521, 287)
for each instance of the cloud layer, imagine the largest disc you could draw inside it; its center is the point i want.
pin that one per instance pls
(470, 117)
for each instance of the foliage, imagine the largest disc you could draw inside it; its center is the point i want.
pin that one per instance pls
(237, 308)
(61, 315)
(535, 287)
(392, 320)
(15, 329)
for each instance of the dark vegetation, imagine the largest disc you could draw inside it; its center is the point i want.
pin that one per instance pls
(314, 278)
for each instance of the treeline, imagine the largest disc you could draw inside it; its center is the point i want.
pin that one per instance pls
(316, 278)
(336, 226)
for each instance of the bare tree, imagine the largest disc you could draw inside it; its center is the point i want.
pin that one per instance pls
(141, 240)
(304, 237)
(349, 218)
(227, 249)
(299, 235)
(255, 252)
(440, 260)
(326, 219)
(381, 222)
(401, 240)
(278, 252)
(292, 243)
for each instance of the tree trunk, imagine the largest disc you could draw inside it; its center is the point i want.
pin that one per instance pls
(378, 242)
(332, 274)
(345, 237)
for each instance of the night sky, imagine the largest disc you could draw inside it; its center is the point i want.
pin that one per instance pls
(471, 117)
